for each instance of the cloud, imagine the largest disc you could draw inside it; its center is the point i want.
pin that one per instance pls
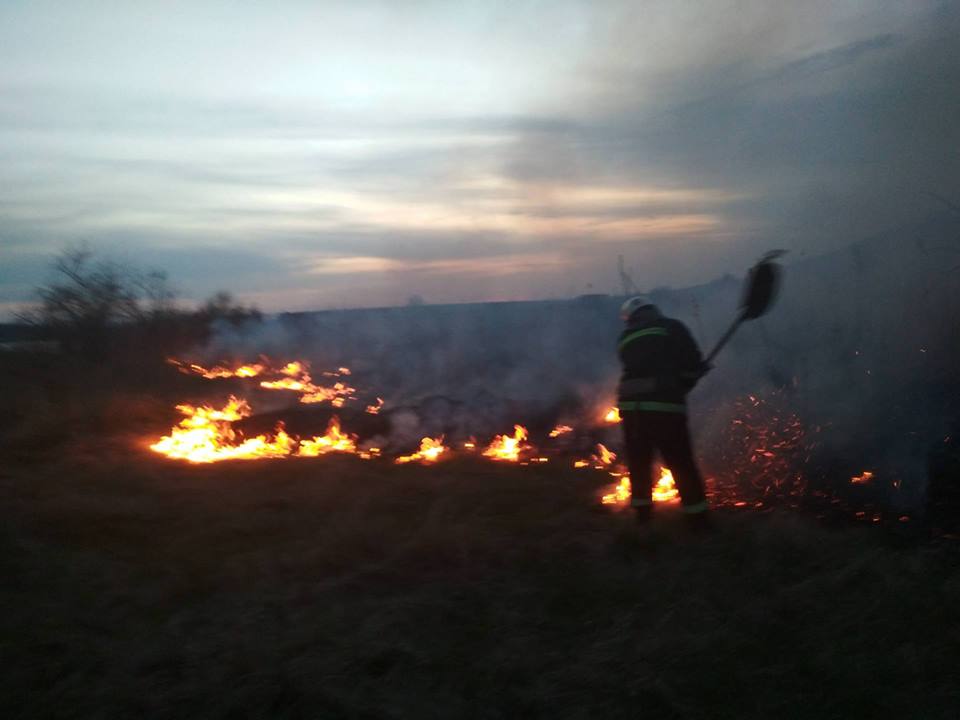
(262, 151)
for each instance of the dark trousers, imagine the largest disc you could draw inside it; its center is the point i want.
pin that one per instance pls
(646, 433)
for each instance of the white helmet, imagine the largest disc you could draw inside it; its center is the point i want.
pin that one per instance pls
(631, 305)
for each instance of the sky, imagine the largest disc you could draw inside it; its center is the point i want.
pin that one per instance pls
(310, 155)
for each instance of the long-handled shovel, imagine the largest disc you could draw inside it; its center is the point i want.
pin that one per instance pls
(763, 282)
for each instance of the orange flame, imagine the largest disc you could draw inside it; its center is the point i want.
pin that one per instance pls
(430, 450)
(664, 490)
(866, 477)
(620, 495)
(333, 441)
(298, 380)
(375, 409)
(205, 435)
(294, 369)
(612, 416)
(600, 459)
(560, 430)
(604, 456)
(219, 371)
(287, 384)
(505, 447)
(337, 394)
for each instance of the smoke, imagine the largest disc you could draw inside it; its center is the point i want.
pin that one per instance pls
(860, 349)
(460, 369)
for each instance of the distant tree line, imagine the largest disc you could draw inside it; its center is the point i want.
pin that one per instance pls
(97, 308)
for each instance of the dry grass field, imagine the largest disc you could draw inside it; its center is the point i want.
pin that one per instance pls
(135, 586)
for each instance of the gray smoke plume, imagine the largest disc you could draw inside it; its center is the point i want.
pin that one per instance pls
(861, 348)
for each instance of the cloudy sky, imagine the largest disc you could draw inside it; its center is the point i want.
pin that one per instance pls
(324, 154)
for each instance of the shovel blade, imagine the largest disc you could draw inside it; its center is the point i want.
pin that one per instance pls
(763, 283)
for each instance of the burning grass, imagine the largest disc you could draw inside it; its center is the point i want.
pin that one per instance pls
(333, 587)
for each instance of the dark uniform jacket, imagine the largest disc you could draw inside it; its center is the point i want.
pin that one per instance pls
(661, 364)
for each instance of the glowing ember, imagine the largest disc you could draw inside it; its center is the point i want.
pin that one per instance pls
(335, 440)
(762, 453)
(375, 409)
(205, 435)
(866, 477)
(580, 464)
(505, 447)
(612, 416)
(430, 450)
(560, 430)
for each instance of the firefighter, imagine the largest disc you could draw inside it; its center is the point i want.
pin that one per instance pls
(661, 364)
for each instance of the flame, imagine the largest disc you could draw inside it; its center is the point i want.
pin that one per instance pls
(286, 384)
(600, 459)
(604, 456)
(613, 415)
(293, 369)
(664, 490)
(334, 440)
(219, 371)
(337, 394)
(620, 495)
(205, 435)
(766, 443)
(505, 447)
(296, 378)
(430, 450)
(866, 477)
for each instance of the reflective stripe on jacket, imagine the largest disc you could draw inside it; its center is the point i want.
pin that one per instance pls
(661, 364)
